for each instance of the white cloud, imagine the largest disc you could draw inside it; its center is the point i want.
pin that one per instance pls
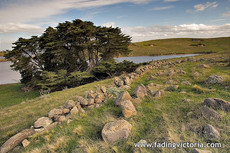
(171, 0)
(179, 31)
(26, 11)
(109, 24)
(202, 7)
(162, 8)
(19, 27)
(227, 14)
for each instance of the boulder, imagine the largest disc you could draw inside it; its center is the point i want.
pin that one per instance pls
(116, 130)
(123, 96)
(69, 104)
(62, 118)
(204, 66)
(170, 82)
(74, 110)
(215, 79)
(217, 103)
(196, 74)
(65, 111)
(81, 100)
(91, 95)
(140, 91)
(210, 132)
(127, 81)
(209, 113)
(172, 87)
(128, 108)
(15, 140)
(90, 101)
(55, 113)
(99, 98)
(103, 89)
(159, 93)
(42, 122)
(171, 72)
(25, 143)
(196, 150)
(118, 82)
(182, 72)
(186, 83)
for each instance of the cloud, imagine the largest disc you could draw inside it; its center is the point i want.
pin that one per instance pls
(178, 31)
(26, 10)
(227, 14)
(109, 24)
(162, 8)
(202, 7)
(171, 0)
(19, 27)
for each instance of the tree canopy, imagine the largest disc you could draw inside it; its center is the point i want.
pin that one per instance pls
(75, 46)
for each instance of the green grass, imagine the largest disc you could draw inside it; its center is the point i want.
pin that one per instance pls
(157, 120)
(179, 46)
(11, 94)
(18, 117)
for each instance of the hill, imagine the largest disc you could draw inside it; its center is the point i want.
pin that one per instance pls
(174, 116)
(180, 46)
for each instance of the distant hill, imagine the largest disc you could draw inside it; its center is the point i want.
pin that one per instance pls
(180, 46)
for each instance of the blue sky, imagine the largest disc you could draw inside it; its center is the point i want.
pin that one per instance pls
(141, 19)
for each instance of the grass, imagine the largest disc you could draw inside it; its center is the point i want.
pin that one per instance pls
(179, 46)
(157, 120)
(11, 94)
(18, 117)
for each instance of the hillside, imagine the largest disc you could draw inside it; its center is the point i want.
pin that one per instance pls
(180, 46)
(174, 116)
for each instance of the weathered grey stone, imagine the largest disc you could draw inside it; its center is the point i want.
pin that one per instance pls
(171, 72)
(118, 82)
(91, 95)
(127, 81)
(140, 91)
(55, 113)
(65, 111)
(215, 79)
(123, 96)
(209, 113)
(128, 108)
(74, 110)
(25, 143)
(186, 83)
(61, 118)
(210, 132)
(196, 74)
(81, 100)
(170, 82)
(204, 66)
(42, 122)
(15, 140)
(116, 130)
(99, 98)
(103, 89)
(172, 87)
(196, 150)
(91, 101)
(159, 93)
(82, 110)
(217, 103)
(69, 104)
(182, 72)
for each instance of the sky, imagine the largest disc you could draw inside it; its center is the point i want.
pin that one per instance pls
(141, 19)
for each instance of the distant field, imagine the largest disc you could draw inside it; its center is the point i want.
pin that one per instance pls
(11, 94)
(180, 46)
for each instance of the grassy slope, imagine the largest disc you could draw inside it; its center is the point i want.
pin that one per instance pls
(162, 119)
(179, 46)
(16, 95)
(18, 117)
